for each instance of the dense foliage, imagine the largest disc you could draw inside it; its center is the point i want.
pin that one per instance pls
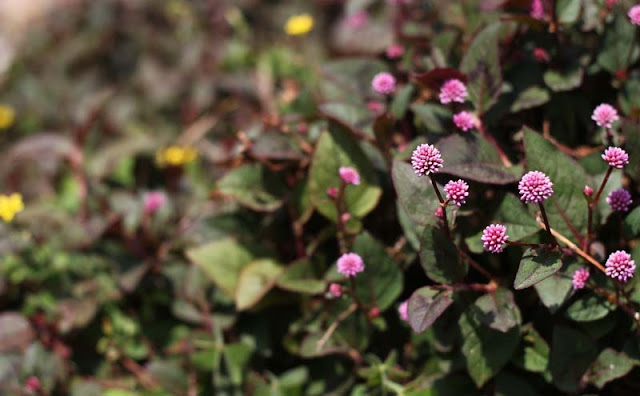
(363, 197)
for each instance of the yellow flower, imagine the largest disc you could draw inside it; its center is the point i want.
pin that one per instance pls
(10, 205)
(7, 116)
(175, 156)
(299, 24)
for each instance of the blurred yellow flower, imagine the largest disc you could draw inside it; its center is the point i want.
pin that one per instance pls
(7, 116)
(175, 156)
(10, 205)
(299, 24)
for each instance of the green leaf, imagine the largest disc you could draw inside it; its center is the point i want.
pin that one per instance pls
(254, 186)
(169, 375)
(556, 289)
(485, 350)
(535, 266)
(481, 64)
(401, 101)
(497, 310)
(15, 332)
(530, 98)
(254, 281)
(337, 148)
(564, 80)
(426, 305)
(534, 355)
(300, 277)
(439, 257)
(618, 39)
(356, 117)
(589, 307)
(434, 118)
(568, 178)
(472, 157)
(237, 357)
(568, 11)
(631, 131)
(632, 223)
(415, 193)
(508, 384)
(571, 354)
(347, 80)
(609, 366)
(381, 282)
(221, 261)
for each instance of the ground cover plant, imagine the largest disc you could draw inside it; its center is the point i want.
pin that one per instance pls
(359, 197)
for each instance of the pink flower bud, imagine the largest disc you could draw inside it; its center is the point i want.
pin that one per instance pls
(439, 213)
(345, 217)
(335, 289)
(332, 192)
(349, 175)
(374, 312)
(153, 201)
(588, 191)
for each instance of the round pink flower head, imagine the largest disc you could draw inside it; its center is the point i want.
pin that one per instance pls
(457, 191)
(350, 264)
(616, 157)
(619, 200)
(426, 159)
(541, 55)
(580, 278)
(537, 9)
(465, 120)
(535, 187)
(453, 90)
(605, 115)
(494, 237)
(383, 83)
(403, 310)
(335, 289)
(349, 175)
(153, 201)
(620, 266)
(634, 14)
(395, 51)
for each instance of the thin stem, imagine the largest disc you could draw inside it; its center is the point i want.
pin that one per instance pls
(443, 205)
(592, 206)
(339, 223)
(477, 266)
(572, 246)
(352, 281)
(325, 337)
(503, 156)
(554, 243)
(523, 244)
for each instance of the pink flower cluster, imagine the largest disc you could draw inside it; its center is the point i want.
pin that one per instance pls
(580, 278)
(494, 237)
(537, 9)
(453, 90)
(384, 83)
(605, 115)
(426, 159)
(457, 191)
(620, 266)
(350, 264)
(535, 187)
(152, 201)
(465, 120)
(349, 175)
(395, 51)
(619, 200)
(616, 157)
(335, 289)
(634, 15)
(403, 310)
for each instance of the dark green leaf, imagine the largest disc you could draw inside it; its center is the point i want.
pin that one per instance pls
(589, 307)
(439, 257)
(415, 193)
(530, 98)
(497, 310)
(425, 306)
(300, 277)
(571, 354)
(253, 186)
(609, 366)
(535, 266)
(557, 288)
(534, 355)
(254, 281)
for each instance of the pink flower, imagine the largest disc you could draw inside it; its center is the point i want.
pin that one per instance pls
(383, 83)
(588, 191)
(634, 14)
(494, 237)
(350, 264)
(457, 191)
(541, 55)
(403, 310)
(345, 217)
(580, 278)
(153, 201)
(349, 175)
(465, 120)
(537, 9)
(605, 115)
(375, 107)
(453, 90)
(616, 157)
(335, 289)
(32, 384)
(358, 19)
(426, 159)
(619, 200)
(395, 51)
(332, 192)
(620, 266)
(535, 187)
